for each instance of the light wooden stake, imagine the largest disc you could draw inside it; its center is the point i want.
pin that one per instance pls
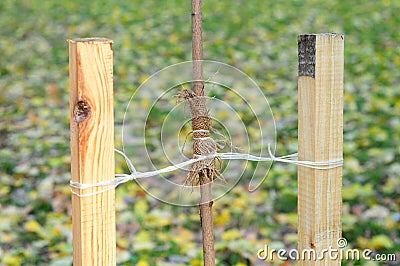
(321, 68)
(92, 149)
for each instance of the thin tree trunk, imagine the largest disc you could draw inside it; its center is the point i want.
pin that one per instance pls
(205, 206)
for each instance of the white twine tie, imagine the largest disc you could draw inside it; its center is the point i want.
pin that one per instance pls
(123, 178)
(201, 131)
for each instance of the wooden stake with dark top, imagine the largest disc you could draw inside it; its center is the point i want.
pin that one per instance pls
(321, 68)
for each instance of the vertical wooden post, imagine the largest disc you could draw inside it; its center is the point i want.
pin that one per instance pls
(321, 68)
(92, 149)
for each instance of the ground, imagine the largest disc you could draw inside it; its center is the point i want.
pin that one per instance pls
(259, 37)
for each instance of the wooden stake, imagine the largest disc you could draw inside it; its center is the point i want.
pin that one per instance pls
(205, 207)
(92, 149)
(321, 68)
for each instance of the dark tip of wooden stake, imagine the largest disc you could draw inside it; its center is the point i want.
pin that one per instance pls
(306, 53)
(92, 40)
(82, 111)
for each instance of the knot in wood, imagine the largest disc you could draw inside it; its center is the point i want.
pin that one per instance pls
(82, 111)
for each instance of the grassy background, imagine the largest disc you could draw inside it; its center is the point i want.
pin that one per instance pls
(259, 37)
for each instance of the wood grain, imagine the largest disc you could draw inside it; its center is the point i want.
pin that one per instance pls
(92, 149)
(320, 132)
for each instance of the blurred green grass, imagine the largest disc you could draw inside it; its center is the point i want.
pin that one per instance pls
(259, 37)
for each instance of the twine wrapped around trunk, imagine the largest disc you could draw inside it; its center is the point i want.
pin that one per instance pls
(203, 144)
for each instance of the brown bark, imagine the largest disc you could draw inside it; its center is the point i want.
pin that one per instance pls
(206, 177)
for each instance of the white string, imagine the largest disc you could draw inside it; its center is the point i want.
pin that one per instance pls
(123, 178)
(204, 138)
(201, 131)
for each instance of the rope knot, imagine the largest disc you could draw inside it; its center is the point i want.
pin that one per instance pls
(203, 143)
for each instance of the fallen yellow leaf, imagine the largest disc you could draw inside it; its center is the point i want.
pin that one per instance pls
(33, 226)
(9, 259)
(223, 219)
(142, 263)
